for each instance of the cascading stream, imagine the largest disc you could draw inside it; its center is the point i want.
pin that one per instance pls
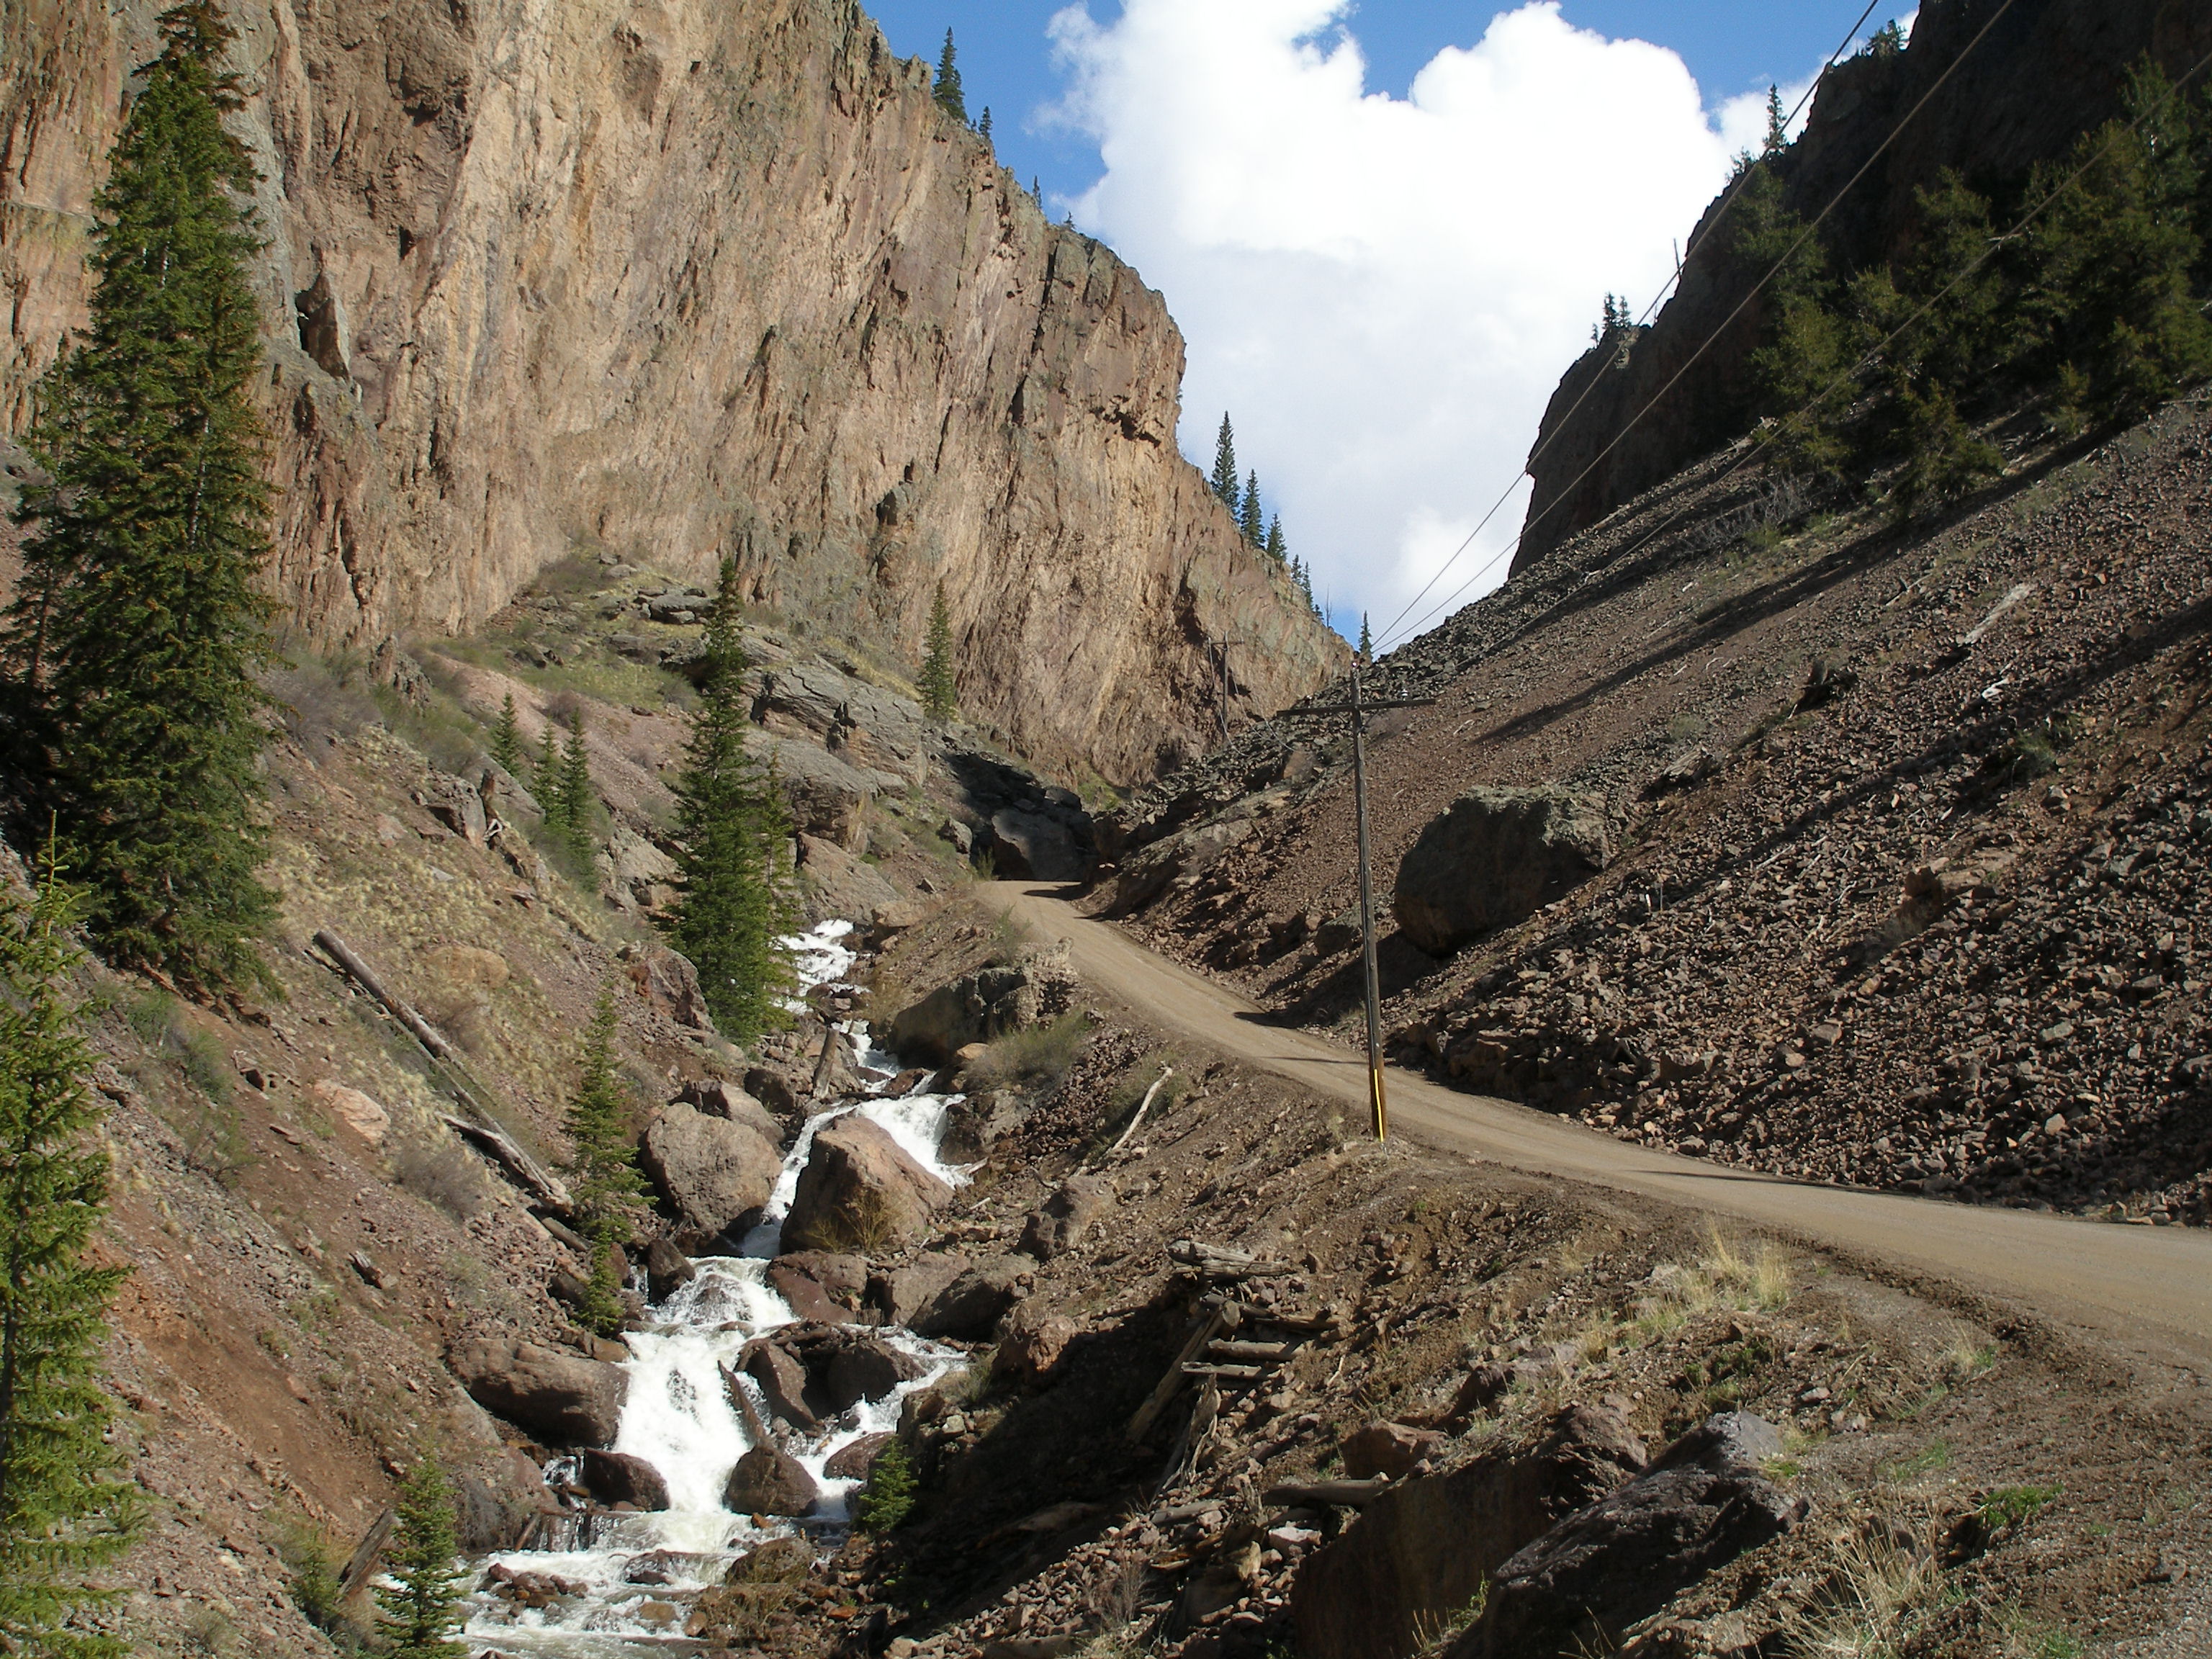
(678, 1417)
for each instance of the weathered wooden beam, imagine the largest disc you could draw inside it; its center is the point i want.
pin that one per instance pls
(535, 1179)
(1247, 1351)
(1227, 1373)
(1148, 1413)
(417, 1027)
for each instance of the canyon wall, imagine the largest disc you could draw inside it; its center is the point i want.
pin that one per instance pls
(677, 282)
(1995, 103)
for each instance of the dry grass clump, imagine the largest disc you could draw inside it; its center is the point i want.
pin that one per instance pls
(1727, 1278)
(1037, 1055)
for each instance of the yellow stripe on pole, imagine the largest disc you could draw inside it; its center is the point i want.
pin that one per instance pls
(1375, 1099)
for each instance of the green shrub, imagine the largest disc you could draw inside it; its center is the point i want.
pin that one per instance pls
(889, 1497)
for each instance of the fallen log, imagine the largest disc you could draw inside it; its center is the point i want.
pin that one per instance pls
(417, 1027)
(1245, 1351)
(363, 1566)
(526, 1169)
(1227, 1373)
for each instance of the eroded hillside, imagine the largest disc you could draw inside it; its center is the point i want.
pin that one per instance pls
(1903, 840)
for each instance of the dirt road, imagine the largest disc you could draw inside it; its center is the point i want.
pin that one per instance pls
(2151, 1286)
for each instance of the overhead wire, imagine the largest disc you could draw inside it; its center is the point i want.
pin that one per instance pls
(1710, 339)
(1873, 355)
(1728, 201)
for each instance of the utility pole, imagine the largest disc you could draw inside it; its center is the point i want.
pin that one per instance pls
(1358, 708)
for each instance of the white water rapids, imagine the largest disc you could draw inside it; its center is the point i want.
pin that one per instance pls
(678, 1414)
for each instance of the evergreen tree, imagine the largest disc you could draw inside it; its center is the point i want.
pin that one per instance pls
(1249, 518)
(604, 1182)
(2112, 294)
(577, 800)
(420, 1608)
(136, 632)
(1276, 548)
(1224, 467)
(983, 124)
(947, 91)
(63, 1512)
(939, 688)
(733, 895)
(506, 739)
(1888, 41)
(546, 775)
(1778, 123)
(1367, 644)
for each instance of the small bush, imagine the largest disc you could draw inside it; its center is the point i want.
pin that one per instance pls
(889, 1497)
(2009, 1508)
(314, 1583)
(1040, 1055)
(441, 1175)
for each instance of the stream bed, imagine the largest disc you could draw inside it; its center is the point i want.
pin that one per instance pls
(626, 1581)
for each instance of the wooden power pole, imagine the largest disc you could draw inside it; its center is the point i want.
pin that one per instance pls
(1358, 708)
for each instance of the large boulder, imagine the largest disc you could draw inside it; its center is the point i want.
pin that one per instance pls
(715, 1172)
(1623, 1558)
(987, 1004)
(860, 1191)
(718, 1097)
(620, 1478)
(1492, 857)
(563, 1398)
(767, 1481)
(970, 1308)
(828, 799)
(898, 1294)
(866, 1368)
(1044, 844)
(1422, 1550)
(1146, 874)
(1067, 1215)
(784, 1382)
(820, 1285)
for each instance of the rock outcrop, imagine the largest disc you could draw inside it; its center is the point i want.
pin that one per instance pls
(859, 1190)
(1426, 1547)
(564, 1398)
(985, 1005)
(1493, 856)
(543, 280)
(1601, 1570)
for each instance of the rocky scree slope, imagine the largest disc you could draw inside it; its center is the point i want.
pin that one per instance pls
(1250, 1386)
(688, 282)
(1998, 103)
(1903, 878)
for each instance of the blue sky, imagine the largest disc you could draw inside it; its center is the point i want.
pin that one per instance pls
(1385, 230)
(1006, 59)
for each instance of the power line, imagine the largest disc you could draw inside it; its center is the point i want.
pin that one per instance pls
(1727, 202)
(1874, 354)
(1758, 287)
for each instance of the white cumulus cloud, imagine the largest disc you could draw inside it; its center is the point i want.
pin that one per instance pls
(1382, 291)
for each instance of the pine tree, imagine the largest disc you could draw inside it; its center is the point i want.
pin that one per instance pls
(1249, 518)
(733, 895)
(1888, 41)
(137, 630)
(1778, 123)
(2113, 257)
(1224, 467)
(419, 1609)
(546, 775)
(983, 124)
(1276, 548)
(507, 741)
(578, 801)
(939, 688)
(604, 1184)
(1367, 644)
(63, 1512)
(947, 92)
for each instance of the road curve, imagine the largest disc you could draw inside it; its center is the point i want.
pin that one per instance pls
(2133, 1282)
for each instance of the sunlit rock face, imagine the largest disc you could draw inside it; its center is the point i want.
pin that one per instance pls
(673, 283)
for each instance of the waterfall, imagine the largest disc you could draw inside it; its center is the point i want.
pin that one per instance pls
(678, 1417)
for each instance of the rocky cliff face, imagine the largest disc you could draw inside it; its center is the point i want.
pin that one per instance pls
(684, 282)
(1995, 105)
